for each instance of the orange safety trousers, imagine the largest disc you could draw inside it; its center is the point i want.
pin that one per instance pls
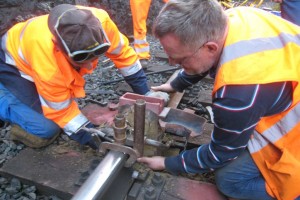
(139, 10)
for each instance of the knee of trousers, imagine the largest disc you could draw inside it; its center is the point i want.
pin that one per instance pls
(47, 130)
(40, 127)
(224, 182)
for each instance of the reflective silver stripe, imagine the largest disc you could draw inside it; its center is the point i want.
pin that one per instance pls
(20, 53)
(28, 22)
(275, 132)
(246, 47)
(142, 50)
(140, 41)
(118, 49)
(26, 76)
(257, 142)
(55, 105)
(8, 58)
(75, 124)
(132, 69)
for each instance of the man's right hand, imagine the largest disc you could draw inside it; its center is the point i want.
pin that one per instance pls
(155, 162)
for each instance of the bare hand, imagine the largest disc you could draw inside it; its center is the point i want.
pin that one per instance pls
(164, 88)
(155, 162)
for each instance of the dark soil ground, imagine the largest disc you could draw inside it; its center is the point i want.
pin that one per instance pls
(13, 11)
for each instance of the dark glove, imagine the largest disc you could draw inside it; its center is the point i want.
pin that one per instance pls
(84, 137)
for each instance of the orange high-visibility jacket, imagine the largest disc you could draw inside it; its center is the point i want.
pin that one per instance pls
(263, 48)
(29, 47)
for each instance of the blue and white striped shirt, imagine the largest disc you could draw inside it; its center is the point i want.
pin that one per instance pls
(237, 109)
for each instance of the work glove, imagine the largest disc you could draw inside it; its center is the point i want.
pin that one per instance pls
(84, 137)
(163, 95)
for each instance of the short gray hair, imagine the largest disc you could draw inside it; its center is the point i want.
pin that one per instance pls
(194, 22)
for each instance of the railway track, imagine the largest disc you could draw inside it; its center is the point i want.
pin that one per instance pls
(58, 171)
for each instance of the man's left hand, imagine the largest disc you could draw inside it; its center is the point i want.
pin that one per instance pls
(155, 162)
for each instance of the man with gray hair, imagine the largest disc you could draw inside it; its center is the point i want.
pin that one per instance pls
(254, 58)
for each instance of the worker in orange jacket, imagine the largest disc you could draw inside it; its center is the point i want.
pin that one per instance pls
(139, 11)
(254, 58)
(42, 63)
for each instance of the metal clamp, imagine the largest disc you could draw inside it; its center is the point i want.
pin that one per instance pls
(133, 154)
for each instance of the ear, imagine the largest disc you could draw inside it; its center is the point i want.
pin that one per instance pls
(212, 47)
(54, 40)
(55, 43)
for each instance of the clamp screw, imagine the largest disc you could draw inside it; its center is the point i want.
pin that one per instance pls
(157, 179)
(150, 193)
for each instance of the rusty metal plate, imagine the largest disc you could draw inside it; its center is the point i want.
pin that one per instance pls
(54, 170)
(188, 120)
(178, 188)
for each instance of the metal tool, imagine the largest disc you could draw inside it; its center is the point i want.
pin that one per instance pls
(132, 153)
(190, 121)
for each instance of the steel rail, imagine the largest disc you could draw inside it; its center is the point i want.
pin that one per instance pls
(108, 169)
(102, 177)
